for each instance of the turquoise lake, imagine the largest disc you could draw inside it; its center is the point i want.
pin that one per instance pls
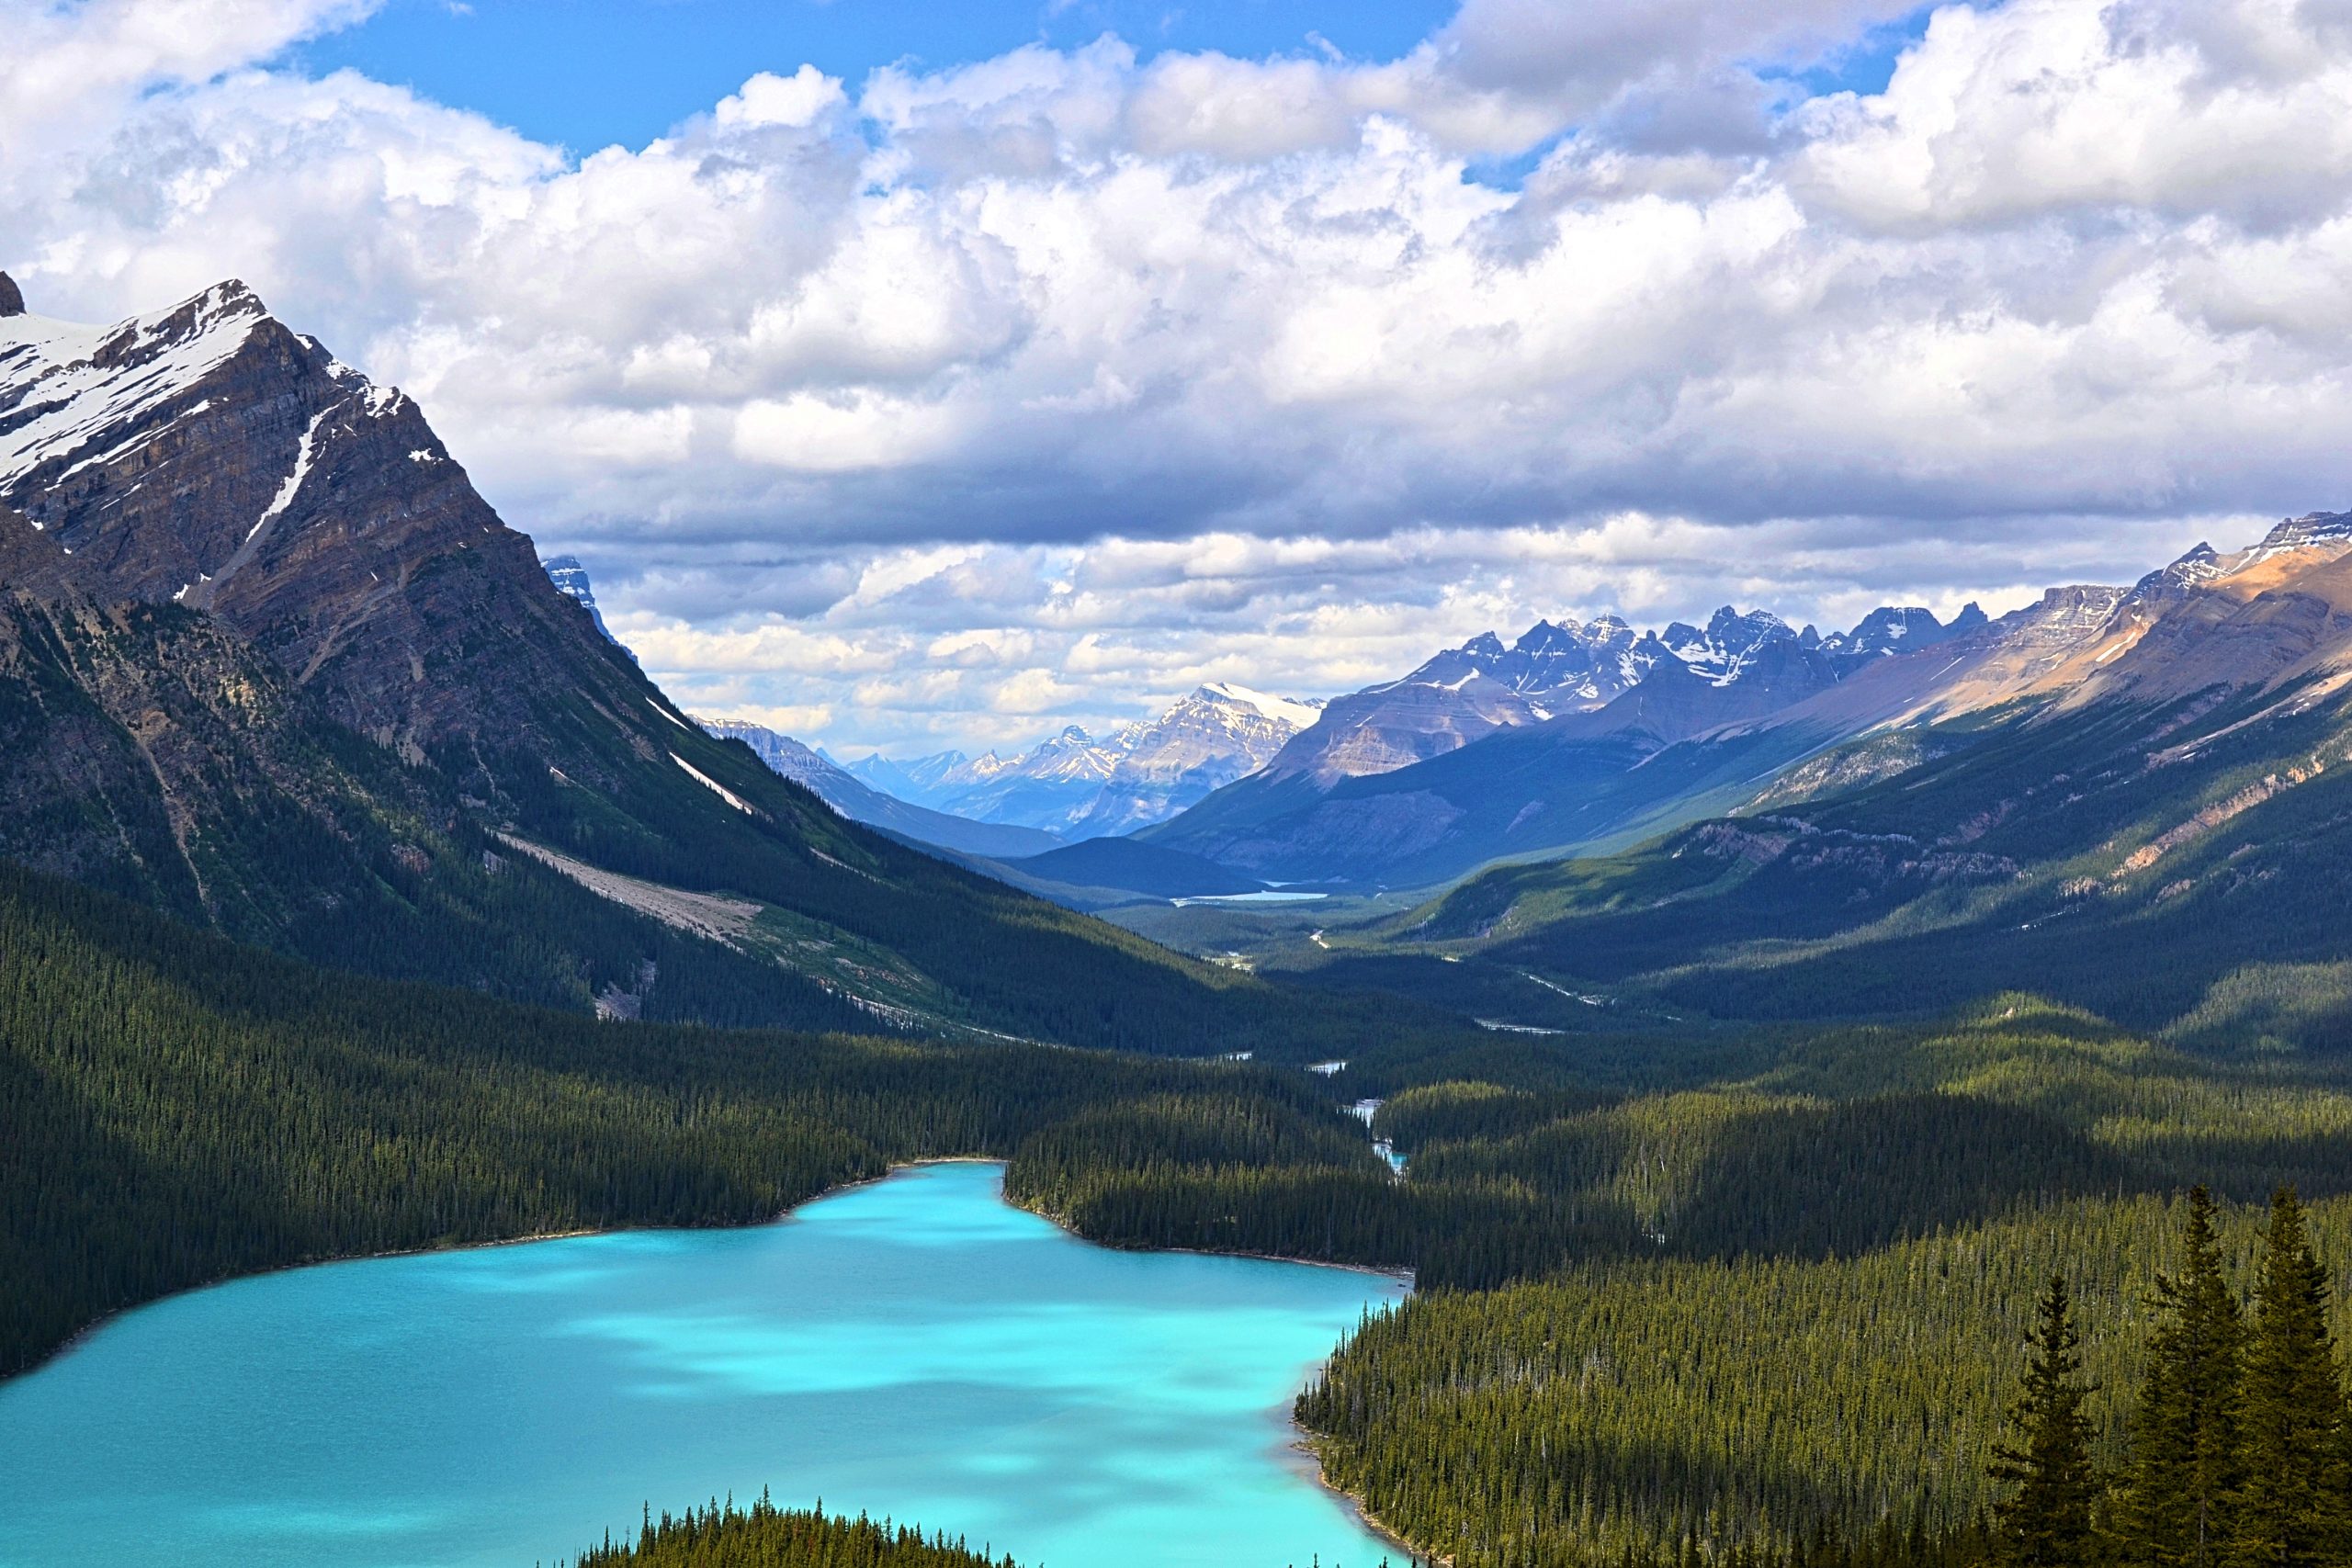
(916, 1347)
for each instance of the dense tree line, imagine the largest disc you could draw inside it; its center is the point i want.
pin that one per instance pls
(1789, 1299)
(2238, 1450)
(1626, 1406)
(179, 1110)
(764, 1536)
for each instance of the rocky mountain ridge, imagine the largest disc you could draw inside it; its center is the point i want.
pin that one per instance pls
(1718, 711)
(2134, 799)
(1566, 667)
(207, 456)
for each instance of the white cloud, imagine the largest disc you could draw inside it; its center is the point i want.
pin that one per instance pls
(2241, 109)
(1055, 383)
(840, 433)
(797, 100)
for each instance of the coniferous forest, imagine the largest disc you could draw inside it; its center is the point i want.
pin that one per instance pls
(764, 1536)
(1743, 1297)
(181, 1109)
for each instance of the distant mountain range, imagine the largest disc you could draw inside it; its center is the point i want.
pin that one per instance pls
(1578, 739)
(1489, 751)
(860, 803)
(1076, 787)
(2137, 799)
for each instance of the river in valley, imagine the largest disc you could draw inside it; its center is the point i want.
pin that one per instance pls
(916, 1347)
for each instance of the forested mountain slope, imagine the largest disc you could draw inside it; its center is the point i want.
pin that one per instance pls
(180, 1110)
(2179, 867)
(1806, 1265)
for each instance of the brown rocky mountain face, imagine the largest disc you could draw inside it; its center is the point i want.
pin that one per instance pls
(212, 457)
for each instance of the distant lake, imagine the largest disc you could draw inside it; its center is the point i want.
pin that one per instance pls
(1269, 895)
(916, 1347)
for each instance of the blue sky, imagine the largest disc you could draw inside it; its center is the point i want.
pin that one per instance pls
(588, 73)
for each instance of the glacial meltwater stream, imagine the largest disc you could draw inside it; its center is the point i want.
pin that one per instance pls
(916, 1349)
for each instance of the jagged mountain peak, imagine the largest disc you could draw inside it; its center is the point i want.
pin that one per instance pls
(1899, 628)
(1727, 646)
(570, 578)
(2077, 600)
(1730, 618)
(12, 299)
(72, 396)
(207, 455)
(2312, 528)
(1080, 784)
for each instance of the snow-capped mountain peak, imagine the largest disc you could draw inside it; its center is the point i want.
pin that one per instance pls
(1728, 644)
(71, 396)
(1282, 710)
(570, 579)
(1080, 784)
(2301, 533)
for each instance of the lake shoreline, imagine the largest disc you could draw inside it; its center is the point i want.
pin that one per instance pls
(66, 1347)
(1312, 1457)
(1299, 1450)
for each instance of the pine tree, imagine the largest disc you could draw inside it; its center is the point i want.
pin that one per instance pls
(2291, 1409)
(2173, 1512)
(2046, 1523)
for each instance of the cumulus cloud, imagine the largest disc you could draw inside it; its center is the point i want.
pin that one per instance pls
(1046, 386)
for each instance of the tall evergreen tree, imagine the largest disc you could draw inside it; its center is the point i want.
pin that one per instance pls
(2173, 1508)
(2289, 1511)
(2046, 1522)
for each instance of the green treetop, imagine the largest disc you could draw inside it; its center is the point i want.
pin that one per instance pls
(2046, 1522)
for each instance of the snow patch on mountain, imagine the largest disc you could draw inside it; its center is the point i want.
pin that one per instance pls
(75, 395)
(720, 790)
(1282, 710)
